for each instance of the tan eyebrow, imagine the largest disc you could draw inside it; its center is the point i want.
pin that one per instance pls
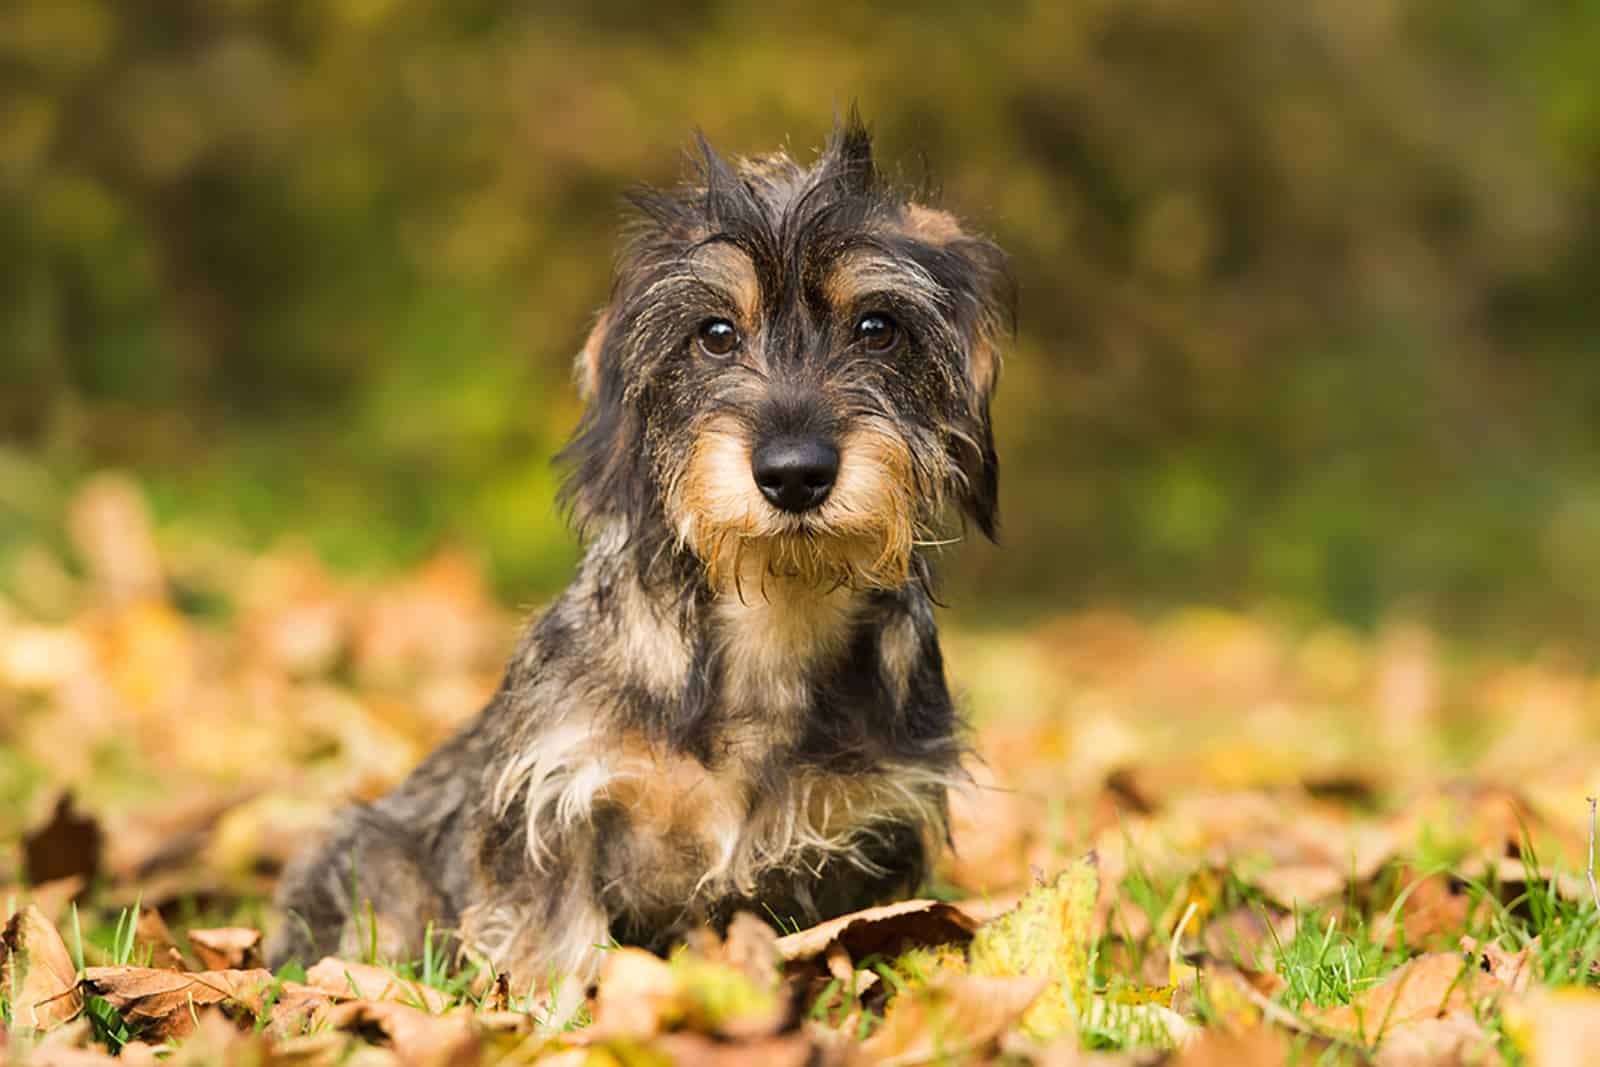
(730, 268)
(930, 225)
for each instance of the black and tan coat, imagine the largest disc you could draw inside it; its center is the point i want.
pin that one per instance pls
(739, 702)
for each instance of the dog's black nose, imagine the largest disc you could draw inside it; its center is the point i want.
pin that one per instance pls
(795, 473)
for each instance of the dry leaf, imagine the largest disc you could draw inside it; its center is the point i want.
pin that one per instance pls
(362, 981)
(1511, 969)
(418, 1035)
(884, 931)
(37, 972)
(70, 1056)
(1048, 935)
(68, 846)
(640, 995)
(1555, 1028)
(1299, 884)
(153, 934)
(1456, 1038)
(950, 1017)
(696, 1050)
(297, 1009)
(1431, 913)
(165, 1003)
(1257, 1047)
(1424, 988)
(637, 995)
(226, 947)
(751, 948)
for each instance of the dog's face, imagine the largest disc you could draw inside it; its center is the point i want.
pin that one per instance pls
(792, 378)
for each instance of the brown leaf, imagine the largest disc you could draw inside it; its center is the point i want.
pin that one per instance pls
(1299, 884)
(68, 846)
(750, 947)
(1511, 969)
(950, 1016)
(696, 1050)
(1427, 987)
(1431, 913)
(640, 995)
(166, 1003)
(637, 995)
(69, 1056)
(417, 1034)
(297, 1009)
(152, 932)
(226, 947)
(1455, 1038)
(51, 898)
(1247, 937)
(885, 930)
(1555, 1027)
(38, 972)
(362, 981)
(1257, 1047)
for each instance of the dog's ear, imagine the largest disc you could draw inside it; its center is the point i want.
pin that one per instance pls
(607, 470)
(974, 273)
(586, 369)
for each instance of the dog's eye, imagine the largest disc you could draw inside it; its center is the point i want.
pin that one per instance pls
(718, 337)
(877, 333)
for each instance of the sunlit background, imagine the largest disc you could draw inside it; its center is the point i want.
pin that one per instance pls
(1307, 290)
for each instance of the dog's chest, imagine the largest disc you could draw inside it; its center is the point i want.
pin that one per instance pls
(772, 651)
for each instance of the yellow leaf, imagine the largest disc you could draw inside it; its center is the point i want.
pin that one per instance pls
(1047, 935)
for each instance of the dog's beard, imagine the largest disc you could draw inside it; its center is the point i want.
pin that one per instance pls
(861, 536)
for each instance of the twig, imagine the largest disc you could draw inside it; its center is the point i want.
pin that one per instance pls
(1593, 892)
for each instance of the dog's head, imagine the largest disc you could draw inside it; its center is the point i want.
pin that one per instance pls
(792, 377)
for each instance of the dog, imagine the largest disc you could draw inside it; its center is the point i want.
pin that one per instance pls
(739, 703)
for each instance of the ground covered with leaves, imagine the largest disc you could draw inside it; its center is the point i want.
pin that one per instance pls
(1198, 838)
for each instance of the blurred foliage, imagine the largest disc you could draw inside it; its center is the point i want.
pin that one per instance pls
(1307, 289)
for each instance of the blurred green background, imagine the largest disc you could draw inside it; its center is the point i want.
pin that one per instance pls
(1307, 290)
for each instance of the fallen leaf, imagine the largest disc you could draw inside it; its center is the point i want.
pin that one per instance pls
(296, 1009)
(884, 931)
(1247, 937)
(1157, 1021)
(1431, 913)
(1511, 970)
(950, 1017)
(70, 1056)
(751, 948)
(51, 898)
(417, 1034)
(786, 1050)
(226, 947)
(69, 845)
(165, 1003)
(637, 995)
(152, 933)
(362, 981)
(1048, 935)
(1424, 988)
(37, 972)
(640, 995)
(1258, 1047)
(1555, 1027)
(1299, 884)
(1456, 1038)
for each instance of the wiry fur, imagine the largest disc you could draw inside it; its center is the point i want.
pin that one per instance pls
(732, 705)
